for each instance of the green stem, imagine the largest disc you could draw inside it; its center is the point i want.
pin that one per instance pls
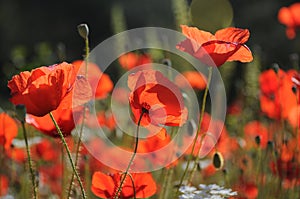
(133, 187)
(297, 124)
(168, 182)
(29, 161)
(86, 61)
(77, 155)
(69, 154)
(1, 163)
(132, 157)
(198, 130)
(87, 175)
(63, 172)
(87, 52)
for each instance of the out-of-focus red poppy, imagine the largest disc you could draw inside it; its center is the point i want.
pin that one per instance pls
(194, 78)
(131, 60)
(209, 138)
(45, 88)
(227, 44)
(17, 154)
(105, 186)
(102, 86)
(94, 148)
(235, 108)
(208, 171)
(102, 119)
(290, 17)
(155, 143)
(8, 130)
(277, 98)
(253, 129)
(246, 189)
(288, 171)
(4, 185)
(155, 96)
(107, 120)
(45, 150)
(65, 118)
(51, 177)
(204, 127)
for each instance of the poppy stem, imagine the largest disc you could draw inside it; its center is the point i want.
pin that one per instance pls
(29, 161)
(132, 157)
(77, 155)
(86, 61)
(133, 187)
(69, 154)
(198, 131)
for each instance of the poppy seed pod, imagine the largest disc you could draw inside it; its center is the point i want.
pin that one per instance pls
(218, 160)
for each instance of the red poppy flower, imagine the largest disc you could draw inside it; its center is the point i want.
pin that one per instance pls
(290, 16)
(8, 130)
(105, 186)
(253, 129)
(43, 89)
(214, 50)
(131, 60)
(156, 96)
(194, 78)
(65, 118)
(277, 98)
(102, 86)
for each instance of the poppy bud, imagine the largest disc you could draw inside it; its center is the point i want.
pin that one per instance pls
(83, 30)
(270, 146)
(218, 160)
(21, 112)
(257, 140)
(224, 171)
(294, 57)
(294, 89)
(167, 62)
(190, 127)
(275, 67)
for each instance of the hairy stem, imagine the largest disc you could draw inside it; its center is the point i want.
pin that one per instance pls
(33, 181)
(69, 155)
(199, 128)
(132, 157)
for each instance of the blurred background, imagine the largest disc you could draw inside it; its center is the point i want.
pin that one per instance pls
(35, 33)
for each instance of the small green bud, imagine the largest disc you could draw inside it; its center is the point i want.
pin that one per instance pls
(166, 62)
(275, 67)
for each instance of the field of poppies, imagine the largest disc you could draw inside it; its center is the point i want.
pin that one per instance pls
(156, 113)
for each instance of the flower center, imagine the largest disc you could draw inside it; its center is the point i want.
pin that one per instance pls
(145, 107)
